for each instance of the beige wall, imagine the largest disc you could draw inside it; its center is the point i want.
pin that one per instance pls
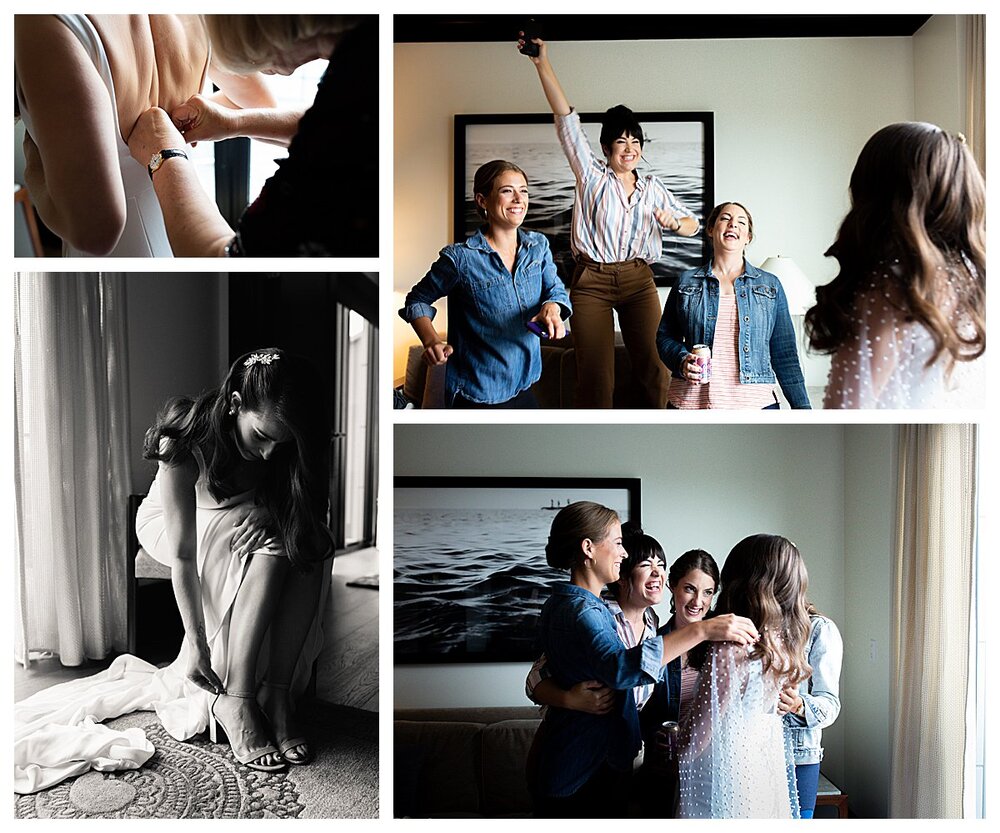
(791, 116)
(939, 72)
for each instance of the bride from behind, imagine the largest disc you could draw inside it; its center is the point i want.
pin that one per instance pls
(734, 762)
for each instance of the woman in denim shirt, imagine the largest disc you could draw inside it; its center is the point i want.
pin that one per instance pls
(579, 761)
(741, 312)
(813, 705)
(497, 282)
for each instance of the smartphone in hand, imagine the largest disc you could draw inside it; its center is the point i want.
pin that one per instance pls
(537, 329)
(530, 30)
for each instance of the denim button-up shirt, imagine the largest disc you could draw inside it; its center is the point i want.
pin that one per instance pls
(766, 339)
(496, 356)
(580, 642)
(820, 693)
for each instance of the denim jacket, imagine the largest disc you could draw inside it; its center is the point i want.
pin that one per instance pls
(766, 338)
(820, 693)
(580, 643)
(496, 356)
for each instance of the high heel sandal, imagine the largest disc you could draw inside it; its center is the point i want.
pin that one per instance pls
(285, 745)
(250, 757)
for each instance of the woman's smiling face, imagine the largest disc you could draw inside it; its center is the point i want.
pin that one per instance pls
(731, 231)
(646, 582)
(692, 597)
(607, 554)
(507, 203)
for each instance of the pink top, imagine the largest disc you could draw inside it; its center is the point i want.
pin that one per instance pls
(725, 390)
(689, 684)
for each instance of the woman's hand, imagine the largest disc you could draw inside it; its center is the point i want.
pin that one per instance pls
(690, 370)
(789, 701)
(667, 219)
(251, 531)
(590, 697)
(550, 319)
(730, 628)
(437, 353)
(153, 132)
(199, 667)
(543, 50)
(202, 120)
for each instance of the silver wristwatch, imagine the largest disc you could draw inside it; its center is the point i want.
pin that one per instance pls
(157, 159)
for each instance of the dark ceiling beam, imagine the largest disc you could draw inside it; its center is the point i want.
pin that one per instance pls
(499, 28)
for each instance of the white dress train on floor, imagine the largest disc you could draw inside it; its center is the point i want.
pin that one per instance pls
(57, 731)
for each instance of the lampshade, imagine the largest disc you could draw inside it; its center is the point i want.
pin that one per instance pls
(800, 291)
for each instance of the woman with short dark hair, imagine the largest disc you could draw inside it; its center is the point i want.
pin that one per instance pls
(617, 220)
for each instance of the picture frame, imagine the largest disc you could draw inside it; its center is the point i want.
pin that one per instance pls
(678, 147)
(470, 575)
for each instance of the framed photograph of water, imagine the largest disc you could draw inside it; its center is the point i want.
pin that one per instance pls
(678, 148)
(469, 565)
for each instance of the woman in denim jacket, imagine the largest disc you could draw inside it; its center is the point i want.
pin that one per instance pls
(580, 762)
(813, 705)
(739, 311)
(503, 295)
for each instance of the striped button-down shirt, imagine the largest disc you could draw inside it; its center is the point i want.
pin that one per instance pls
(608, 226)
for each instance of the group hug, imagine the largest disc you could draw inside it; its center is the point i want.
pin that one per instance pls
(903, 320)
(716, 714)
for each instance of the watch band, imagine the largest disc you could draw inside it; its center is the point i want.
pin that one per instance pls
(157, 159)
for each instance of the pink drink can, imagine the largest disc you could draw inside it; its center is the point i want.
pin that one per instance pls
(703, 358)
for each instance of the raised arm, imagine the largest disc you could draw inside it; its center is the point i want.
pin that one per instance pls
(72, 171)
(547, 75)
(177, 489)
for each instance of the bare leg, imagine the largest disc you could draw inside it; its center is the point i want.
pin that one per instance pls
(254, 609)
(297, 610)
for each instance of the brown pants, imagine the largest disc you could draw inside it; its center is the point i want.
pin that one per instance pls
(598, 289)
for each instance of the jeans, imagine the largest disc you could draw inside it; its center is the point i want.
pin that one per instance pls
(807, 781)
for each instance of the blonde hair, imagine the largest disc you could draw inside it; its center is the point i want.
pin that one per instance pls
(248, 42)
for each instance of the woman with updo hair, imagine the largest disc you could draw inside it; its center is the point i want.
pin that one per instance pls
(580, 759)
(503, 296)
(618, 217)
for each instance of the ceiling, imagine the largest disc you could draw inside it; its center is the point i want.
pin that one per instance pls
(430, 28)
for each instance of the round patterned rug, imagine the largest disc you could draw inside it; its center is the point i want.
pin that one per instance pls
(202, 780)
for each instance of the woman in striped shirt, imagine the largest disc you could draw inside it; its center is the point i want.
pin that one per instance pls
(617, 220)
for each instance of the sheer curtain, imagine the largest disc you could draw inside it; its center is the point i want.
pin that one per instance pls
(71, 471)
(975, 83)
(936, 526)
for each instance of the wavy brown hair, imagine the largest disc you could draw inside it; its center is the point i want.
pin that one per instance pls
(917, 198)
(764, 579)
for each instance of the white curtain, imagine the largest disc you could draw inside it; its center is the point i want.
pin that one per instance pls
(71, 470)
(935, 546)
(975, 75)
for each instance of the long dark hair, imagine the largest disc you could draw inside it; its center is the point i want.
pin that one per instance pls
(919, 200)
(685, 563)
(764, 579)
(295, 484)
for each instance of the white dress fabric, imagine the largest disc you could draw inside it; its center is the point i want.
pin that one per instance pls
(885, 364)
(145, 234)
(734, 760)
(58, 732)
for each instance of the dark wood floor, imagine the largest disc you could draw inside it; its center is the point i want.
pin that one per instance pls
(347, 672)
